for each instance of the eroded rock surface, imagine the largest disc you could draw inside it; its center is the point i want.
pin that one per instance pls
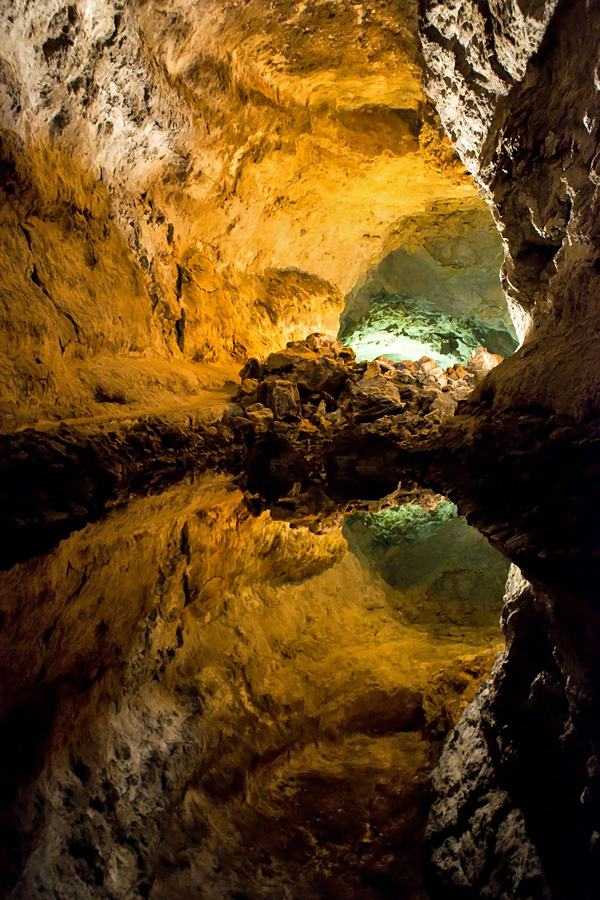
(187, 184)
(445, 257)
(537, 162)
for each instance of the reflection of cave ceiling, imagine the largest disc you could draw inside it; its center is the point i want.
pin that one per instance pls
(245, 692)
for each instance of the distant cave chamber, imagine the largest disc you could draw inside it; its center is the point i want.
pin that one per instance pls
(438, 296)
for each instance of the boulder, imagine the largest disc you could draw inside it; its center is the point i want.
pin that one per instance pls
(482, 362)
(374, 397)
(253, 369)
(324, 344)
(444, 404)
(439, 375)
(372, 369)
(426, 364)
(260, 416)
(460, 390)
(387, 366)
(323, 374)
(405, 376)
(285, 360)
(282, 397)
(456, 372)
(248, 386)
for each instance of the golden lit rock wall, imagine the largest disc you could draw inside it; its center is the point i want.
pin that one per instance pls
(199, 182)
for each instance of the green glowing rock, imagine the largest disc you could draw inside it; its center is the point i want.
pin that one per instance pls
(401, 327)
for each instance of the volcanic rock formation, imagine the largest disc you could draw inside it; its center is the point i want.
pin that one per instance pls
(517, 89)
(205, 689)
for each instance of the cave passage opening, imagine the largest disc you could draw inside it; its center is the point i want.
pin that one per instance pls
(436, 294)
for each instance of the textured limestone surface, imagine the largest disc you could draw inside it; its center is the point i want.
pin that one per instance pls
(477, 840)
(202, 702)
(475, 55)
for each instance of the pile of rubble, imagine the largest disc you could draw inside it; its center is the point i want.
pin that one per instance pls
(316, 422)
(318, 383)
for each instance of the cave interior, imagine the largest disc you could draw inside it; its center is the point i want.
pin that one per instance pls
(299, 450)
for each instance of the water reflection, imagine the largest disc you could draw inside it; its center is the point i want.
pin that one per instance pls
(205, 703)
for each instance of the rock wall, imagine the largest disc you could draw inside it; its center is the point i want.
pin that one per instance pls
(537, 162)
(517, 812)
(188, 184)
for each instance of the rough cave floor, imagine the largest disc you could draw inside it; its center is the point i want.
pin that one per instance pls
(261, 708)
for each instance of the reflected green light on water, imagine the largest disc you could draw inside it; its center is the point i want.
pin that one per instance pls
(404, 525)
